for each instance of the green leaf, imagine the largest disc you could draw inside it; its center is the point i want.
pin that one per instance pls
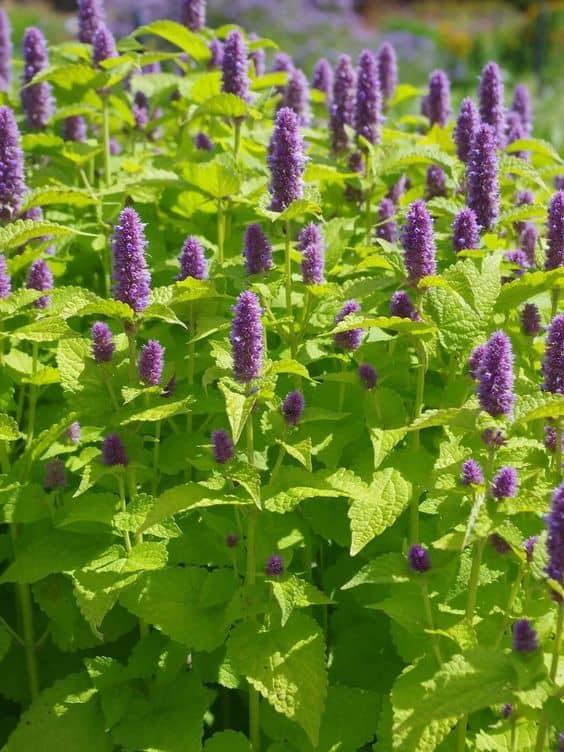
(293, 592)
(288, 365)
(378, 508)
(163, 411)
(350, 719)
(224, 105)
(300, 451)
(536, 146)
(383, 441)
(287, 666)
(178, 35)
(9, 430)
(217, 178)
(552, 407)
(228, 741)
(238, 408)
(458, 325)
(5, 642)
(399, 325)
(383, 570)
(188, 605)
(530, 284)
(59, 195)
(48, 329)
(65, 716)
(22, 231)
(184, 497)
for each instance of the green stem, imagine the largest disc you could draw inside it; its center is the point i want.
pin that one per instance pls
(236, 137)
(156, 453)
(220, 235)
(557, 642)
(461, 734)
(368, 219)
(512, 595)
(430, 622)
(132, 357)
(415, 440)
(106, 136)
(12, 632)
(26, 606)
(513, 736)
(109, 387)
(474, 578)
(288, 269)
(121, 487)
(32, 398)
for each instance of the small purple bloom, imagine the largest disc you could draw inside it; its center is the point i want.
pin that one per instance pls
(399, 188)
(151, 363)
(258, 57)
(113, 451)
(506, 710)
(522, 107)
(235, 78)
(515, 131)
(435, 182)
(91, 15)
(55, 475)
(5, 281)
(74, 129)
(465, 129)
(529, 547)
(313, 254)
(559, 182)
(342, 106)
(418, 558)
(518, 260)
(401, 306)
(490, 93)
(286, 160)
(257, 250)
(40, 277)
(203, 142)
(322, 79)
(130, 274)
(551, 438)
(193, 14)
(387, 228)
(524, 637)
(474, 363)
(555, 234)
(495, 388)
(232, 540)
(5, 51)
(216, 49)
(438, 103)
(296, 96)
(418, 243)
(465, 233)
(103, 45)
(530, 320)
(493, 437)
(293, 408)
(274, 566)
(351, 339)
(72, 433)
(367, 375)
(192, 260)
(103, 346)
(387, 70)
(499, 544)
(525, 198)
(37, 101)
(553, 363)
(482, 178)
(246, 337)
(140, 110)
(505, 483)
(368, 102)
(529, 238)
(222, 446)
(283, 63)
(472, 474)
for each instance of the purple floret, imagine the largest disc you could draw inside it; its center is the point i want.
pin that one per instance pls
(192, 260)
(553, 363)
(246, 338)
(257, 250)
(222, 446)
(130, 274)
(495, 387)
(313, 254)
(151, 363)
(351, 339)
(525, 638)
(505, 483)
(103, 346)
(293, 408)
(418, 558)
(113, 451)
(472, 474)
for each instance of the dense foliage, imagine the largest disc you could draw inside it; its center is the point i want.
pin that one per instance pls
(282, 379)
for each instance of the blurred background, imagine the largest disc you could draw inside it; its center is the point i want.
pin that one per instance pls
(525, 38)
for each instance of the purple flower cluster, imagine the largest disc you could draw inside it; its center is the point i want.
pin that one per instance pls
(495, 374)
(387, 70)
(531, 320)
(131, 277)
(12, 180)
(216, 50)
(367, 375)
(368, 102)
(286, 160)
(203, 142)
(5, 281)
(103, 45)
(525, 638)
(401, 306)
(438, 99)
(55, 475)
(490, 93)
(192, 260)
(435, 182)
(418, 558)
(258, 57)
(521, 106)
(465, 129)
(75, 129)
(505, 483)
(482, 178)
(418, 243)
(553, 363)
(343, 104)
(73, 432)
(151, 363)
(5, 51)
(555, 536)
(274, 567)
(555, 234)
(103, 346)
(529, 238)
(222, 446)
(351, 339)
(312, 247)
(293, 407)
(40, 277)
(91, 15)
(322, 78)
(257, 250)
(114, 452)
(193, 14)
(37, 101)
(472, 474)
(387, 227)
(246, 337)
(235, 64)
(296, 96)
(465, 233)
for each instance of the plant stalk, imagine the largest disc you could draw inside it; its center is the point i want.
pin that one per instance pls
(288, 269)
(415, 440)
(106, 137)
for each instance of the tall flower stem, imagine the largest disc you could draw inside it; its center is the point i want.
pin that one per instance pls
(123, 503)
(236, 137)
(544, 722)
(288, 268)
(430, 622)
(32, 398)
(132, 354)
(106, 141)
(220, 234)
(132, 492)
(156, 457)
(419, 392)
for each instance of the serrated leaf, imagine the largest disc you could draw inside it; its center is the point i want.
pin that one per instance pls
(59, 195)
(383, 570)
(300, 451)
(224, 105)
(228, 741)
(293, 592)
(217, 178)
(178, 35)
(238, 408)
(530, 284)
(48, 329)
(18, 233)
(164, 411)
(9, 429)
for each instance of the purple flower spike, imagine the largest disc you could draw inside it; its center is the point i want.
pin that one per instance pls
(399, 188)
(472, 474)
(495, 388)
(131, 277)
(91, 15)
(387, 70)
(246, 337)
(524, 637)
(257, 250)
(435, 182)
(418, 243)
(192, 260)
(518, 259)
(55, 475)
(73, 432)
(530, 320)
(387, 229)
(493, 437)
(216, 49)
(5, 281)
(515, 131)
(418, 558)
(151, 363)
(482, 178)
(438, 103)
(368, 102)
(74, 129)
(555, 538)
(525, 198)
(5, 51)
(529, 547)
(274, 566)
(499, 544)
(322, 79)
(555, 234)
(551, 438)
(522, 106)
(40, 277)
(293, 408)
(490, 94)
(286, 160)
(222, 446)
(466, 127)
(529, 238)
(313, 254)
(342, 106)
(103, 346)
(37, 101)
(553, 363)
(296, 96)
(465, 231)
(203, 142)
(505, 483)
(367, 375)
(283, 63)
(401, 305)
(475, 361)
(113, 451)
(235, 79)
(103, 45)
(193, 14)
(258, 57)
(351, 339)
